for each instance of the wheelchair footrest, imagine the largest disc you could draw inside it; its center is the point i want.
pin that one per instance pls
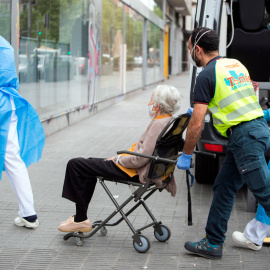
(67, 236)
(96, 223)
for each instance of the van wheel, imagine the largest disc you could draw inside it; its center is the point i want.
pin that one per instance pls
(206, 169)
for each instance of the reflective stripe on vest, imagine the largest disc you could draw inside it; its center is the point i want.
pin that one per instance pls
(234, 100)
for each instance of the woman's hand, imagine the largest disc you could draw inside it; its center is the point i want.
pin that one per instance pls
(114, 159)
(111, 158)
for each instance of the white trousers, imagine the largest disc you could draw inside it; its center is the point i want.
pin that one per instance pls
(16, 170)
(256, 231)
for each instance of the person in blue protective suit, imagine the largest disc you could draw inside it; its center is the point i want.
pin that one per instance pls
(21, 135)
(255, 232)
(257, 229)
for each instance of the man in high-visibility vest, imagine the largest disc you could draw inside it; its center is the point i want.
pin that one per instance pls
(224, 88)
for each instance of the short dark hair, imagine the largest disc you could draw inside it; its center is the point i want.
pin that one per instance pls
(209, 41)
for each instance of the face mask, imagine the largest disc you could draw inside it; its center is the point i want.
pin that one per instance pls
(192, 61)
(152, 114)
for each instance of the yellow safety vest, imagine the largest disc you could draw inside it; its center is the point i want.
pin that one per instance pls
(234, 100)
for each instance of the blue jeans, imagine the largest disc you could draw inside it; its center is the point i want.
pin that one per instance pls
(244, 163)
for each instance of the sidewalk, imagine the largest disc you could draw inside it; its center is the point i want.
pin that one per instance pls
(115, 128)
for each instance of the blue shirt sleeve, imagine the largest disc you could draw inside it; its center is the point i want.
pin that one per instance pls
(266, 115)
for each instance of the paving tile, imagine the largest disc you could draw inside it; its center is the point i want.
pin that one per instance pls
(101, 135)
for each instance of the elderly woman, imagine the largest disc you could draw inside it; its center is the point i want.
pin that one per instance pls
(80, 178)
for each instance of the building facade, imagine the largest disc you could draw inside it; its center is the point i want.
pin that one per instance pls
(75, 57)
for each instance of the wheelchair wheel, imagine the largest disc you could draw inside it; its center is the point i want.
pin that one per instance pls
(103, 231)
(145, 244)
(165, 236)
(79, 241)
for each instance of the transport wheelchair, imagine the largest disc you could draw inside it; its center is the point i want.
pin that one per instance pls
(168, 147)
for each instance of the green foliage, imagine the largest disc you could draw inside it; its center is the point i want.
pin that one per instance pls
(62, 14)
(151, 35)
(112, 20)
(158, 11)
(4, 22)
(130, 62)
(134, 32)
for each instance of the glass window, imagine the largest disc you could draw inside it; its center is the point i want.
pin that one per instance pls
(111, 49)
(154, 47)
(134, 58)
(155, 6)
(151, 53)
(160, 41)
(5, 13)
(157, 53)
(53, 55)
(67, 62)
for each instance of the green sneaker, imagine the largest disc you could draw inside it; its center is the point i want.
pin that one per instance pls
(205, 249)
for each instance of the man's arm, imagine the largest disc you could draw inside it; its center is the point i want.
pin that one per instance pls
(195, 128)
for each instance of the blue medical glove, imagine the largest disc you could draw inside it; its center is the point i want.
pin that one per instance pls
(266, 115)
(183, 162)
(190, 111)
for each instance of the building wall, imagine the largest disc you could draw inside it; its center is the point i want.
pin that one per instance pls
(77, 57)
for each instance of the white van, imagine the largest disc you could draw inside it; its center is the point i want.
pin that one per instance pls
(244, 30)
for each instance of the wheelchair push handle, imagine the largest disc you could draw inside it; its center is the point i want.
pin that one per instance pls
(147, 156)
(162, 159)
(205, 153)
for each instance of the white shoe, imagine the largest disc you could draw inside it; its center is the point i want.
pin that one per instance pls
(19, 221)
(240, 238)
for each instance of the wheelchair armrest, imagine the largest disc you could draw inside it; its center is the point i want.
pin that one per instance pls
(147, 156)
(162, 159)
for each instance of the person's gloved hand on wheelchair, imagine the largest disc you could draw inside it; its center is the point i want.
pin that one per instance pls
(184, 161)
(190, 110)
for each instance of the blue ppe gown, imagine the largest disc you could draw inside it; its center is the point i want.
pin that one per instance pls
(30, 131)
(260, 214)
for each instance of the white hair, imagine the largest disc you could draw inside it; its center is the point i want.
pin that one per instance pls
(168, 98)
